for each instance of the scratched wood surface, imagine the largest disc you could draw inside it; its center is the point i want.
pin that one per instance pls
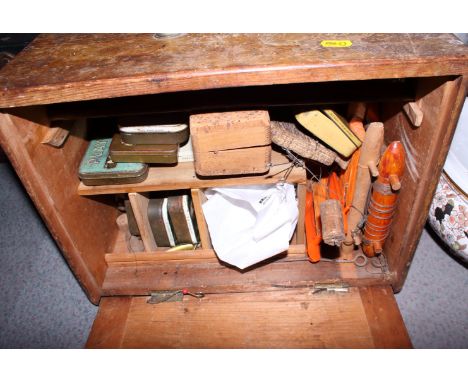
(183, 176)
(279, 319)
(426, 148)
(141, 275)
(69, 67)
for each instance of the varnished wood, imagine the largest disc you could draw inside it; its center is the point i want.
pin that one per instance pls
(110, 323)
(426, 148)
(140, 278)
(137, 68)
(384, 318)
(414, 113)
(70, 67)
(198, 198)
(183, 176)
(189, 256)
(277, 319)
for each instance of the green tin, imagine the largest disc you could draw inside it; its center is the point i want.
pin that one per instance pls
(97, 169)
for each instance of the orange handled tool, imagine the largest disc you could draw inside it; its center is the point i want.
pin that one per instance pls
(313, 239)
(382, 203)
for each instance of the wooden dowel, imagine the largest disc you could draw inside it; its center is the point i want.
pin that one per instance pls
(373, 169)
(394, 182)
(414, 113)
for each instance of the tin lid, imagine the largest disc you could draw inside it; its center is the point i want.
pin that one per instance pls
(154, 129)
(120, 149)
(95, 163)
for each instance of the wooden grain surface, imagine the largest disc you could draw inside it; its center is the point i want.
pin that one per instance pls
(279, 319)
(110, 323)
(426, 149)
(193, 256)
(135, 277)
(198, 198)
(69, 67)
(139, 204)
(384, 318)
(183, 176)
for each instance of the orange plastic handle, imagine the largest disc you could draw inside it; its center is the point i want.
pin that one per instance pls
(312, 239)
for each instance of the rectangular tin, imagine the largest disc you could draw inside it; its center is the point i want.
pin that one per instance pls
(96, 170)
(162, 154)
(152, 130)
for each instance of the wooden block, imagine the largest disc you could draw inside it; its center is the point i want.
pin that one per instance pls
(139, 204)
(231, 130)
(414, 113)
(231, 143)
(251, 160)
(55, 137)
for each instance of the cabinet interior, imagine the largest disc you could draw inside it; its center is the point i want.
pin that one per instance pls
(86, 215)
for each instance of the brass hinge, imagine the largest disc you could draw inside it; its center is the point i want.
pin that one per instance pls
(330, 287)
(160, 296)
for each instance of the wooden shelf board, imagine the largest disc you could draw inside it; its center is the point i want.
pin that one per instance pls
(142, 277)
(183, 176)
(197, 255)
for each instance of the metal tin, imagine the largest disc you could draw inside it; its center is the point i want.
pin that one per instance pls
(96, 169)
(163, 154)
(146, 130)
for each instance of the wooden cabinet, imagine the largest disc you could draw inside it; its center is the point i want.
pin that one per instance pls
(82, 82)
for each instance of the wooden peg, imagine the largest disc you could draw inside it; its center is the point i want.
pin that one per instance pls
(55, 137)
(414, 113)
(357, 237)
(377, 247)
(373, 169)
(394, 182)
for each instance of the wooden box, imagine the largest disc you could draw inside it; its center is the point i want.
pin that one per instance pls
(231, 143)
(286, 301)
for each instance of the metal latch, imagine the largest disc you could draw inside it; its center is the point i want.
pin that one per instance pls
(330, 287)
(172, 296)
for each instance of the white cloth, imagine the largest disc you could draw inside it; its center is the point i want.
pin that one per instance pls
(249, 224)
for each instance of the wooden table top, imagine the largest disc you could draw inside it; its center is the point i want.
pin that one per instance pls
(57, 68)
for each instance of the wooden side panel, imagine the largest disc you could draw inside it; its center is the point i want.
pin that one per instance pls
(426, 149)
(198, 198)
(139, 204)
(110, 323)
(384, 318)
(82, 227)
(68, 67)
(280, 319)
(299, 234)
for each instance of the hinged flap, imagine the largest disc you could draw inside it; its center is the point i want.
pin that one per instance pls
(365, 317)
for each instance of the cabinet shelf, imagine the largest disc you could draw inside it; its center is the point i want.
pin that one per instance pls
(183, 176)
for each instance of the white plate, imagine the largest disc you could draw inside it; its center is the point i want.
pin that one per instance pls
(456, 165)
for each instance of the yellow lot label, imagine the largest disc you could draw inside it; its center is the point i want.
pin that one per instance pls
(336, 43)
